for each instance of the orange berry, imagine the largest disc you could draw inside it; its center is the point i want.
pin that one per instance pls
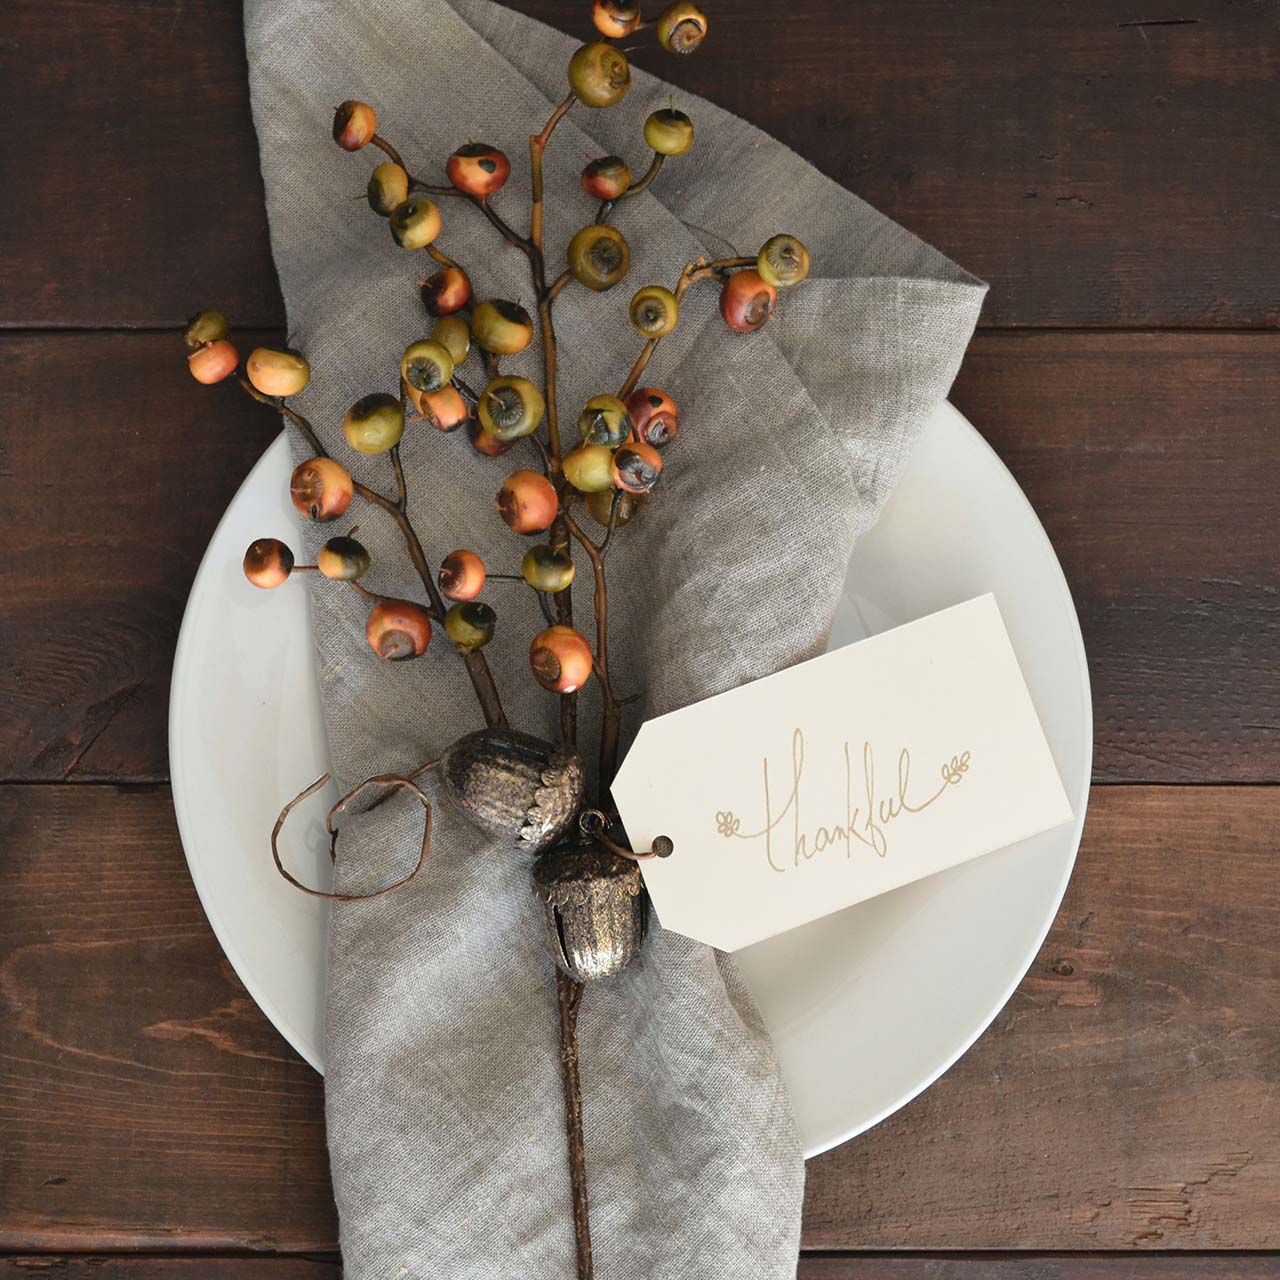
(747, 301)
(606, 178)
(354, 124)
(527, 502)
(462, 575)
(486, 442)
(478, 169)
(277, 373)
(445, 292)
(444, 409)
(213, 362)
(321, 488)
(654, 416)
(615, 18)
(398, 629)
(268, 563)
(636, 466)
(561, 659)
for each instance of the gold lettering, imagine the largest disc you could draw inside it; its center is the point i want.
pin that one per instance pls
(867, 822)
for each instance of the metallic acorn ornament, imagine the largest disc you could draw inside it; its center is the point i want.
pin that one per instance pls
(596, 909)
(514, 786)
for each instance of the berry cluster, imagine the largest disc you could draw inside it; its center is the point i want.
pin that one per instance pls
(619, 458)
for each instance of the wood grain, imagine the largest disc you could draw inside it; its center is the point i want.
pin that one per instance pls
(1127, 1098)
(842, 1267)
(1148, 456)
(1196, 1266)
(204, 1267)
(145, 1103)
(111, 498)
(1098, 168)
(1141, 455)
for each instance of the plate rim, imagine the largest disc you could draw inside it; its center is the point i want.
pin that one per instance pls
(286, 1026)
(181, 659)
(1080, 806)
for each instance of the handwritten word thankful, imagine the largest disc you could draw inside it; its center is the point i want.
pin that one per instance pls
(864, 820)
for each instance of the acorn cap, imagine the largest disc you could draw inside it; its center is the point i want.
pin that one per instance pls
(596, 910)
(514, 786)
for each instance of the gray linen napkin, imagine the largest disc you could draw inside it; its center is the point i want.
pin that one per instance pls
(444, 1104)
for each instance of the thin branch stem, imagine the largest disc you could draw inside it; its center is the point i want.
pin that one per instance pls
(435, 189)
(402, 491)
(439, 255)
(692, 273)
(508, 233)
(388, 150)
(568, 1001)
(614, 509)
(537, 264)
(611, 717)
(568, 991)
(559, 283)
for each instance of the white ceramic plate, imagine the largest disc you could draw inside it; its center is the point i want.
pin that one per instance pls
(866, 1007)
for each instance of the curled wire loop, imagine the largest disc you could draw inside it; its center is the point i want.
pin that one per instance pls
(594, 824)
(391, 780)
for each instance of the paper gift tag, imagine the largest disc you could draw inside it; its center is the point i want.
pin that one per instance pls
(839, 779)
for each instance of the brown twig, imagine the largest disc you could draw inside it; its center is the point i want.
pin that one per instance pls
(568, 990)
(568, 1000)
(477, 665)
(397, 466)
(537, 262)
(511, 236)
(439, 255)
(611, 713)
(388, 150)
(692, 273)
(559, 283)
(382, 780)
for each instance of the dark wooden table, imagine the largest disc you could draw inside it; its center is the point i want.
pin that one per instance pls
(1111, 167)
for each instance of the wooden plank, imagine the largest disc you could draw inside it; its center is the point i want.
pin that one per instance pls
(1097, 168)
(204, 1267)
(1150, 458)
(1126, 1099)
(1144, 456)
(1196, 1266)
(112, 496)
(145, 1102)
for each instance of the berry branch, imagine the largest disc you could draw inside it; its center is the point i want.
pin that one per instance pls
(522, 791)
(477, 665)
